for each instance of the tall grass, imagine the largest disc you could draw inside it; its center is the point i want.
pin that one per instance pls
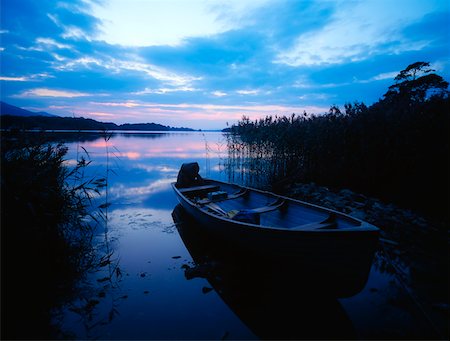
(397, 150)
(46, 233)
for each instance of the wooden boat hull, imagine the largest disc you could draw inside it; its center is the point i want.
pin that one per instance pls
(263, 296)
(336, 254)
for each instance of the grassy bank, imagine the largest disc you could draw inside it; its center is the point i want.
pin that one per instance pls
(46, 240)
(396, 150)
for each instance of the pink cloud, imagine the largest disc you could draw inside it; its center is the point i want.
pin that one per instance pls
(195, 115)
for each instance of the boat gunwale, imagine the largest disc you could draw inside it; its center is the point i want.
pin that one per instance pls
(362, 227)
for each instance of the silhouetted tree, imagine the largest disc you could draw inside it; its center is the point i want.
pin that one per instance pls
(415, 83)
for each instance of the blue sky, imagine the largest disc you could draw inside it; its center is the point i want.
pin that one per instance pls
(201, 64)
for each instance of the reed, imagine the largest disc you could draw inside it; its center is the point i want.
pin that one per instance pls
(396, 150)
(46, 233)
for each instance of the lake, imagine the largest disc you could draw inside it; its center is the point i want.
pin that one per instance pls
(152, 289)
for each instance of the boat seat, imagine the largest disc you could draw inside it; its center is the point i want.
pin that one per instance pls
(202, 189)
(328, 223)
(271, 207)
(240, 193)
(314, 226)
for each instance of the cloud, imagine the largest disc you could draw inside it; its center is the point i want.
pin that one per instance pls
(101, 115)
(384, 75)
(315, 96)
(248, 92)
(126, 104)
(357, 31)
(156, 72)
(162, 91)
(82, 26)
(200, 115)
(218, 93)
(49, 42)
(43, 92)
(117, 66)
(14, 79)
(255, 58)
(205, 106)
(172, 22)
(35, 77)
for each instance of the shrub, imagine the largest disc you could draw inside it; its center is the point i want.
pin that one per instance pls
(46, 239)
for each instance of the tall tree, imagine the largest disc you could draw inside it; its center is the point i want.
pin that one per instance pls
(416, 83)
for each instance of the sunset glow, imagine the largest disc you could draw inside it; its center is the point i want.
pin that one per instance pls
(203, 64)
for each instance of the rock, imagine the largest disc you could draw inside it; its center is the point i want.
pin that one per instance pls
(346, 193)
(441, 307)
(408, 215)
(346, 210)
(358, 214)
(388, 241)
(378, 206)
(358, 204)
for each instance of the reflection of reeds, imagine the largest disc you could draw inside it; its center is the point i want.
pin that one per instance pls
(107, 259)
(106, 264)
(207, 156)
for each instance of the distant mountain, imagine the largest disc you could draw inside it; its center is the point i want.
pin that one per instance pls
(8, 109)
(16, 118)
(149, 127)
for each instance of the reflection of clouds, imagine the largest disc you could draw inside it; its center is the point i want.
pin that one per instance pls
(177, 155)
(140, 218)
(131, 155)
(70, 162)
(172, 145)
(100, 143)
(124, 214)
(157, 168)
(218, 167)
(125, 192)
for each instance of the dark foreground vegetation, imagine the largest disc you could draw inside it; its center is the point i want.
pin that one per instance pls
(397, 149)
(45, 236)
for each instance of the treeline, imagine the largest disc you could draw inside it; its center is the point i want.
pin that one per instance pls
(397, 149)
(11, 122)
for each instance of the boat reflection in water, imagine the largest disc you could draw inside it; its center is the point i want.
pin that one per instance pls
(275, 300)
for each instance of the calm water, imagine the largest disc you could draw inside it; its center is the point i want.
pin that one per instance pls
(157, 292)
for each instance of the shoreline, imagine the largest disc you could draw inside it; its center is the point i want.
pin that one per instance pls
(411, 247)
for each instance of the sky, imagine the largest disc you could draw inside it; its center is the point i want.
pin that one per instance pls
(203, 64)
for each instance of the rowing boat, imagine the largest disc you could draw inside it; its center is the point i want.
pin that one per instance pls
(263, 297)
(324, 241)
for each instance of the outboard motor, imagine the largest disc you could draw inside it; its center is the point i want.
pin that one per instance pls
(188, 175)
